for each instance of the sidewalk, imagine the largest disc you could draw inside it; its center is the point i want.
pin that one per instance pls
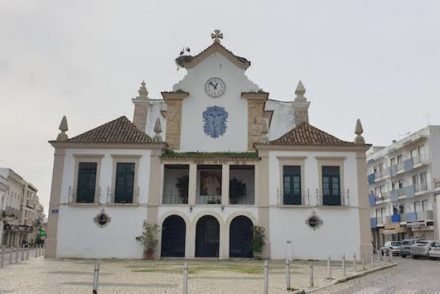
(39, 275)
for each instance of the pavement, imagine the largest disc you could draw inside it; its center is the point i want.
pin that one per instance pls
(40, 275)
(410, 276)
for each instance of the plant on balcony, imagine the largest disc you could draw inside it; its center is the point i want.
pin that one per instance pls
(237, 189)
(258, 241)
(182, 186)
(149, 239)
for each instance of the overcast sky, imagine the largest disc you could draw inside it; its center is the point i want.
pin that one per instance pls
(375, 60)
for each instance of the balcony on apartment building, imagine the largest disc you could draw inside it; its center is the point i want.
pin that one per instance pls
(414, 216)
(208, 182)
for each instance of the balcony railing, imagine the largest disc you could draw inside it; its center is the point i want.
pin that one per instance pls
(174, 198)
(425, 215)
(373, 222)
(420, 160)
(209, 199)
(409, 217)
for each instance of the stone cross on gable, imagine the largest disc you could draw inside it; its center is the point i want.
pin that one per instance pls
(217, 35)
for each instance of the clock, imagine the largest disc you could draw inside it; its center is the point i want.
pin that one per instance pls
(215, 87)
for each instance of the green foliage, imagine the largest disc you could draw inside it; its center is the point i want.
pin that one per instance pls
(149, 236)
(237, 189)
(182, 185)
(258, 239)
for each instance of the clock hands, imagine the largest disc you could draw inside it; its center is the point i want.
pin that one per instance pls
(214, 85)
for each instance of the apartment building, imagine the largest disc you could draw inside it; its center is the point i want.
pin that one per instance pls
(21, 213)
(404, 187)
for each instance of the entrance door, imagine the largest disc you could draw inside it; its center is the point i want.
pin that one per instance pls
(207, 237)
(173, 237)
(240, 236)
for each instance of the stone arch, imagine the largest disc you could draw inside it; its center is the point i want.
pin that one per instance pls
(187, 221)
(173, 238)
(240, 237)
(207, 237)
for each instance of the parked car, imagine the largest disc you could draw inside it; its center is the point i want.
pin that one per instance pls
(405, 246)
(421, 248)
(393, 246)
(434, 251)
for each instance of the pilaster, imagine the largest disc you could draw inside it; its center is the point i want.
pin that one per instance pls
(54, 204)
(225, 184)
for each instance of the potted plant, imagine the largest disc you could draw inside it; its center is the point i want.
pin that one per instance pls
(149, 239)
(182, 186)
(237, 189)
(258, 241)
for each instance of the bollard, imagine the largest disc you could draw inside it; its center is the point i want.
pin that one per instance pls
(363, 262)
(391, 255)
(96, 278)
(185, 278)
(343, 265)
(380, 256)
(329, 268)
(311, 284)
(2, 257)
(16, 255)
(35, 253)
(354, 262)
(266, 277)
(27, 252)
(287, 274)
(22, 253)
(372, 258)
(10, 255)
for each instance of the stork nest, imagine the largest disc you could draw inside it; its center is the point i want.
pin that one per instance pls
(182, 59)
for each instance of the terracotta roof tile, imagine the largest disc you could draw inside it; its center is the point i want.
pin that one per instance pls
(118, 131)
(306, 134)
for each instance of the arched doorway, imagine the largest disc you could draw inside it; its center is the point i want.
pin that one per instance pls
(207, 237)
(240, 236)
(173, 237)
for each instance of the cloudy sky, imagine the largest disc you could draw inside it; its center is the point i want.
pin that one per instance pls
(375, 60)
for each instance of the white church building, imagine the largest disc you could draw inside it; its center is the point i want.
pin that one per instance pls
(208, 161)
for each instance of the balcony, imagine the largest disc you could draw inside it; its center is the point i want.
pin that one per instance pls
(373, 222)
(176, 181)
(371, 178)
(425, 215)
(380, 174)
(420, 160)
(409, 217)
(395, 218)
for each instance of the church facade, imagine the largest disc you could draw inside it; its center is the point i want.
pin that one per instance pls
(209, 161)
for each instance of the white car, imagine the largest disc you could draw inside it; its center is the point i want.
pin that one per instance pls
(434, 251)
(391, 246)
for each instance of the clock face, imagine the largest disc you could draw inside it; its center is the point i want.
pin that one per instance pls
(215, 87)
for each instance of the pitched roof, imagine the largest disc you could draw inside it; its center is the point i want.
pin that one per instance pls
(118, 131)
(306, 134)
(189, 61)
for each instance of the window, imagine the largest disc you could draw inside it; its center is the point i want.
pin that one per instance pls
(292, 184)
(86, 185)
(331, 190)
(425, 205)
(415, 182)
(399, 158)
(124, 187)
(423, 182)
(392, 161)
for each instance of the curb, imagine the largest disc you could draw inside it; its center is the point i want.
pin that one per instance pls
(342, 280)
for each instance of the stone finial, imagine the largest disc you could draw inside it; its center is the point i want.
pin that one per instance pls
(359, 131)
(265, 132)
(63, 128)
(157, 131)
(300, 91)
(216, 36)
(143, 92)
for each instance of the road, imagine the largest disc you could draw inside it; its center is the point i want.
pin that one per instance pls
(408, 277)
